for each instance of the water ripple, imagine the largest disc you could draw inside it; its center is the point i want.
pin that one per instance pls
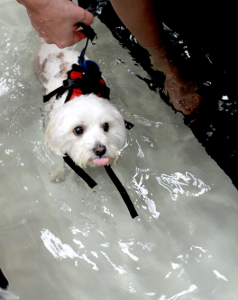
(125, 248)
(60, 250)
(179, 184)
(6, 295)
(56, 247)
(120, 269)
(220, 276)
(141, 191)
(147, 122)
(191, 289)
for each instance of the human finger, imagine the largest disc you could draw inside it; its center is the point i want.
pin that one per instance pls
(78, 36)
(82, 15)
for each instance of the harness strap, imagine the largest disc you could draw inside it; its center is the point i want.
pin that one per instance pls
(91, 183)
(128, 125)
(90, 33)
(82, 54)
(59, 91)
(80, 172)
(122, 191)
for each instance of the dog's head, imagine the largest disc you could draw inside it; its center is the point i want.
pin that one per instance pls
(89, 129)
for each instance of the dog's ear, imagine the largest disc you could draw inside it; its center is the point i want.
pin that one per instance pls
(48, 135)
(51, 139)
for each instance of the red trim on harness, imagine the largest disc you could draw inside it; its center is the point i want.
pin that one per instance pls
(102, 81)
(75, 75)
(76, 92)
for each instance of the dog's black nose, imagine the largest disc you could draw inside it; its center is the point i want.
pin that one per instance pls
(99, 150)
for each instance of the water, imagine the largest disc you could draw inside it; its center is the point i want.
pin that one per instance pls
(66, 241)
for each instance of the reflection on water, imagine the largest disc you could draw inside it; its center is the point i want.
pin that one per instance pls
(55, 246)
(5, 295)
(61, 240)
(142, 192)
(191, 288)
(187, 184)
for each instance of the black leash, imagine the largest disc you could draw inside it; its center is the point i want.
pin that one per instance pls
(90, 33)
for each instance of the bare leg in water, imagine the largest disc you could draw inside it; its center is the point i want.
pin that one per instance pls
(142, 18)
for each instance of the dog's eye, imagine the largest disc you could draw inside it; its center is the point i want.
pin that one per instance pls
(105, 127)
(78, 130)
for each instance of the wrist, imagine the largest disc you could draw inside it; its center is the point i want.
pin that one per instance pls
(35, 5)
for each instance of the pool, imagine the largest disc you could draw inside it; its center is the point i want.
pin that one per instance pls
(65, 241)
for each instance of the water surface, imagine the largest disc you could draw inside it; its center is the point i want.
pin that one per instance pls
(66, 241)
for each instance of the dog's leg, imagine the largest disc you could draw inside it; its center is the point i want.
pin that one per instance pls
(59, 171)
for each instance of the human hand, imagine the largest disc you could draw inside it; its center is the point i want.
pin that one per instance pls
(182, 92)
(56, 20)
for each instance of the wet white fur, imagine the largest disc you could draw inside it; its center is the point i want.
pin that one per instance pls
(87, 111)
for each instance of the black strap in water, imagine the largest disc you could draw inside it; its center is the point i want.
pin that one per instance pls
(91, 183)
(122, 191)
(3, 281)
(128, 125)
(80, 172)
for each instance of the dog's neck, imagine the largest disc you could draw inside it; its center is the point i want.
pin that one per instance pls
(82, 80)
(86, 79)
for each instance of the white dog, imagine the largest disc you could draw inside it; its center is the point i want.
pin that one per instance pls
(88, 128)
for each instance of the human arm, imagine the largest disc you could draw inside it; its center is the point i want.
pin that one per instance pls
(56, 20)
(144, 20)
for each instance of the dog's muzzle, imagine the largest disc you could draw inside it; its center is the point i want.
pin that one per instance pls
(100, 150)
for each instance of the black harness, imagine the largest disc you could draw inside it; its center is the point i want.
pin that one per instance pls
(85, 78)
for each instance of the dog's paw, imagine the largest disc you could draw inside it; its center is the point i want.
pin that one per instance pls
(59, 172)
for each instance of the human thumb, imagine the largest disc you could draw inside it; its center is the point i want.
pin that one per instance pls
(83, 16)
